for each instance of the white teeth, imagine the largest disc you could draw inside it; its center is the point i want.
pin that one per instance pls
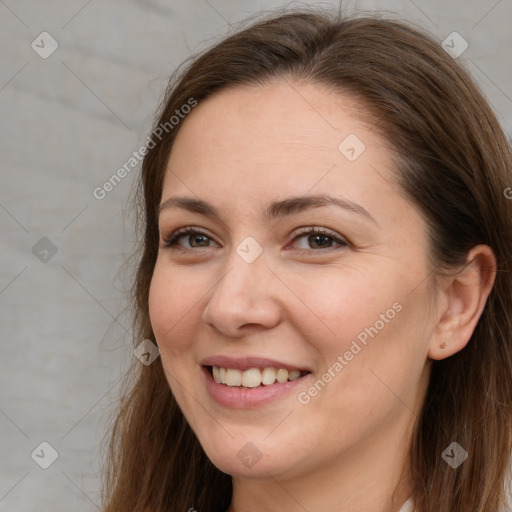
(253, 377)
(268, 376)
(233, 377)
(293, 374)
(282, 375)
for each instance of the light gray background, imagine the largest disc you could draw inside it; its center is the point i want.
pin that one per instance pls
(68, 123)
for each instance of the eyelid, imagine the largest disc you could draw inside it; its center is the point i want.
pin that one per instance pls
(169, 242)
(317, 230)
(184, 230)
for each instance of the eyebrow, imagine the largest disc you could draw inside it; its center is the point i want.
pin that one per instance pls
(277, 209)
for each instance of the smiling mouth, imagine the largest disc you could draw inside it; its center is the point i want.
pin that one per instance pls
(254, 377)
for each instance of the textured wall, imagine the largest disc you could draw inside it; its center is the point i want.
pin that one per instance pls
(68, 122)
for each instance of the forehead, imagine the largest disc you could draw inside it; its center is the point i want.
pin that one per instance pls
(293, 129)
(273, 116)
(251, 142)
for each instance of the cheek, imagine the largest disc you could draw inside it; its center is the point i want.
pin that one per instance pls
(346, 303)
(171, 308)
(371, 327)
(380, 362)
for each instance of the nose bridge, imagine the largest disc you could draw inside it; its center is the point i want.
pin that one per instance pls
(241, 295)
(246, 272)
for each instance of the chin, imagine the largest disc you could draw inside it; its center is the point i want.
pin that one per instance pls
(241, 457)
(233, 466)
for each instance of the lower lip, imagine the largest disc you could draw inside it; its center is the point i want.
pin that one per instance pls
(243, 398)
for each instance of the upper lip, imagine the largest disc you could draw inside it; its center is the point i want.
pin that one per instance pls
(247, 362)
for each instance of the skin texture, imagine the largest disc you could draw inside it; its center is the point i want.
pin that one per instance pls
(240, 150)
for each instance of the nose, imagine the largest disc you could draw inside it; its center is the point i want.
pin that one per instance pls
(242, 298)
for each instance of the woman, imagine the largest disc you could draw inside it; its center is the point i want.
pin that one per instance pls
(325, 270)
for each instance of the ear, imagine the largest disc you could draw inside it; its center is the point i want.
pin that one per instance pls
(463, 299)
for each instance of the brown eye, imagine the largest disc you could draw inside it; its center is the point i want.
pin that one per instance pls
(193, 236)
(320, 238)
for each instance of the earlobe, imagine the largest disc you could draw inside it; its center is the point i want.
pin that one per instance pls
(465, 295)
(444, 350)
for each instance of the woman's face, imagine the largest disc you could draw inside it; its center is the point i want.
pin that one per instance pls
(254, 294)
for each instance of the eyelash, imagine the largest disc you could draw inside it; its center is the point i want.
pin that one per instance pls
(171, 241)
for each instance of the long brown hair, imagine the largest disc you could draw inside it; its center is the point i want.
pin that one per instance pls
(453, 161)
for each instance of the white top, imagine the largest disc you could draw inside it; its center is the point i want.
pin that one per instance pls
(408, 506)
